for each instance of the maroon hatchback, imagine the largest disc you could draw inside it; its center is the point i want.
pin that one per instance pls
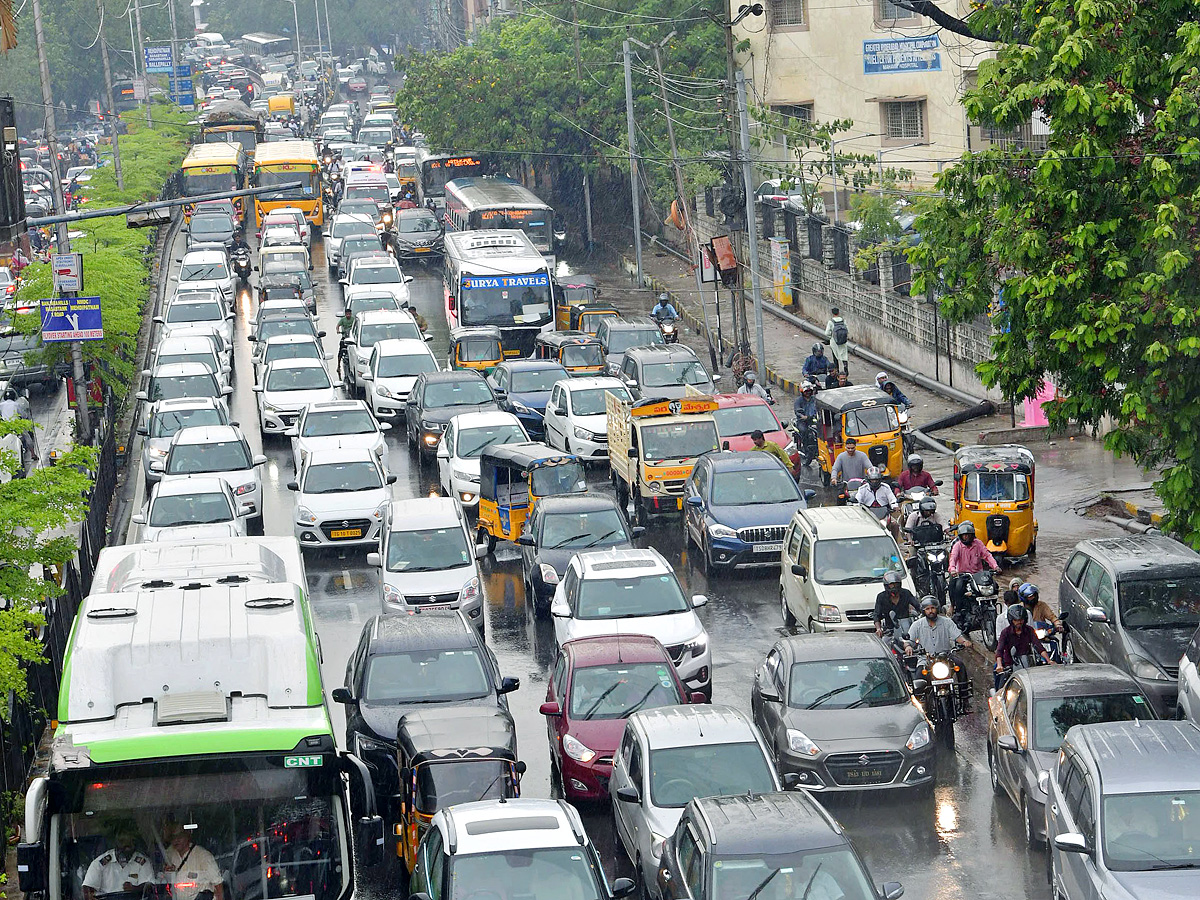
(596, 684)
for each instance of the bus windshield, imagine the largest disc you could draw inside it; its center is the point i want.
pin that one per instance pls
(506, 300)
(284, 173)
(209, 180)
(270, 832)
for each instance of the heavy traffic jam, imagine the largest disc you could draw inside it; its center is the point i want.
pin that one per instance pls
(396, 338)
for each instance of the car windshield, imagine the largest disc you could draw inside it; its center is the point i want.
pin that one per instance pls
(342, 477)
(360, 208)
(832, 873)
(369, 302)
(536, 381)
(207, 271)
(1054, 715)
(205, 359)
(470, 392)
(417, 224)
(582, 355)
(292, 350)
(175, 387)
(564, 478)
(548, 873)
(591, 401)
(471, 441)
(377, 192)
(1152, 831)
(580, 530)
(991, 487)
(289, 325)
(1161, 603)
(370, 335)
(677, 440)
(735, 421)
(679, 774)
(308, 378)
(190, 509)
(343, 421)
(375, 136)
(361, 245)
(165, 424)
(617, 691)
(855, 560)
(211, 225)
(752, 487)
(375, 275)
(441, 784)
(194, 312)
(428, 550)
(346, 228)
(426, 676)
(217, 456)
(624, 598)
(666, 374)
(405, 365)
(621, 339)
(871, 420)
(845, 684)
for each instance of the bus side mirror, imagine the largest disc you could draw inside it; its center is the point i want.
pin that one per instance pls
(368, 832)
(31, 867)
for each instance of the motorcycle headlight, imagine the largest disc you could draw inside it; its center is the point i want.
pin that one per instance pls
(919, 737)
(940, 670)
(939, 556)
(305, 516)
(575, 749)
(1145, 669)
(798, 742)
(717, 530)
(549, 574)
(583, 434)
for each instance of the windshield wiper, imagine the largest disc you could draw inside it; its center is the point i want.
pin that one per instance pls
(594, 541)
(808, 887)
(762, 884)
(591, 709)
(646, 696)
(829, 694)
(568, 540)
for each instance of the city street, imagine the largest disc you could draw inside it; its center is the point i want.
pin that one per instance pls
(958, 843)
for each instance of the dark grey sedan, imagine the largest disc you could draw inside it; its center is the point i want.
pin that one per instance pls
(1030, 715)
(837, 712)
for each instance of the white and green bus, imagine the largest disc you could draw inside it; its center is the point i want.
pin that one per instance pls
(194, 755)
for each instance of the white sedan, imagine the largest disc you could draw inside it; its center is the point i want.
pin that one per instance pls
(382, 273)
(287, 386)
(339, 424)
(341, 498)
(195, 508)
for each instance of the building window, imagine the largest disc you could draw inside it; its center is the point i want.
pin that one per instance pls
(890, 11)
(794, 113)
(904, 120)
(788, 13)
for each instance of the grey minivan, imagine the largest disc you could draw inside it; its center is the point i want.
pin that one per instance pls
(1133, 602)
(1123, 812)
(618, 335)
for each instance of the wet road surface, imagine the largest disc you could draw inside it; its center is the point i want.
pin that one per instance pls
(957, 843)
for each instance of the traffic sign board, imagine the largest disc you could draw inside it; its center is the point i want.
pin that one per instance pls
(72, 319)
(67, 269)
(158, 59)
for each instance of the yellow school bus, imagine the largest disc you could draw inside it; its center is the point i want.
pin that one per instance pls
(211, 169)
(279, 162)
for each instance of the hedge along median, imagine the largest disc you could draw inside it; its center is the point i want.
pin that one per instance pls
(117, 260)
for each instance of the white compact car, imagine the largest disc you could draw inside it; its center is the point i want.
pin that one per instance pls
(576, 420)
(340, 424)
(287, 386)
(634, 592)
(206, 270)
(192, 508)
(427, 559)
(368, 329)
(191, 348)
(391, 373)
(219, 450)
(341, 498)
(466, 437)
(192, 308)
(382, 273)
(166, 417)
(286, 346)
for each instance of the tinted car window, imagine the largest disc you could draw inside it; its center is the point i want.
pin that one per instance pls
(1053, 716)
(1075, 568)
(1160, 603)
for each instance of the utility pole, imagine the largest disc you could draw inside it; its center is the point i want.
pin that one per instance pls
(587, 179)
(317, 15)
(111, 114)
(63, 232)
(137, 12)
(633, 172)
(174, 39)
(748, 178)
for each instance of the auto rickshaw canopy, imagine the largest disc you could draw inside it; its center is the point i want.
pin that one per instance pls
(475, 344)
(866, 408)
(509, 473)
(1003, 473)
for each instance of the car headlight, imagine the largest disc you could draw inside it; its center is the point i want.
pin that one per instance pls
(245, 488)
(717, 530)
(381, 510)
(305, 515)
(697, 646)
(919, 737)
(548, 573)
(364, 745)
(270, 407)
(798, 742)
(465, 476)
(1044, 781)
(522, 409)
(384, 392)
(1144, 668)
(583, 434)
(157, 453)
(433, 427)
(790, 448)
(392, 596)
(576, 749)
(827, 612)
(940, 670)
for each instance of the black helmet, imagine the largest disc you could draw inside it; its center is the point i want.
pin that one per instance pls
(927, 506)
(1028, 592)
(818, 349)
(966, 528)
(892, 579)
(874, 475)
(1017, 613)
(915, 462)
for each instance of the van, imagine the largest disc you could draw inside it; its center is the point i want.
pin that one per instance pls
(618, 335)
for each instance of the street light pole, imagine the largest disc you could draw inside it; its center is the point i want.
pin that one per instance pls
(751, 231)
(633, 172)
(317, 16)
(833, 166)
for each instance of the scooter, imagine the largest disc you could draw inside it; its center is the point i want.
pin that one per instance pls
(911, 499)
(1053, 641)
(241, 264)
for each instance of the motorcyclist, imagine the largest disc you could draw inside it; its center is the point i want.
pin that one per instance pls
(967, 557)
(851, 463)
(1016, 641)
(925, 514)
(915, 476)
(890, 387)
(663, 308)
(805, 406)
(239, 243)
(817, 365)
(894, 603)
(1039, 610)
(876, 495)
(938, 635)
(751, 386)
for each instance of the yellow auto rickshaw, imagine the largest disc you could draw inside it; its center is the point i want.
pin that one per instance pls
(868, 415)
(574, 290)
(993, 490)
(578, 353)
(587, 317)
(475, 347)
(512, 478)
(456, 754)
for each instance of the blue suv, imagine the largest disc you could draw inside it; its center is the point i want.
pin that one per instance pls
(522, 388)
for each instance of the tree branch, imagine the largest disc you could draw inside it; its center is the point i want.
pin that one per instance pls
(943, 19)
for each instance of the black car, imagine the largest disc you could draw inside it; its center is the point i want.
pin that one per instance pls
(418, 234)
(560, 527)
(413, 662)
(769, 846)
(435, 399)
(1029, 717)
(215, 229)
(836, 710)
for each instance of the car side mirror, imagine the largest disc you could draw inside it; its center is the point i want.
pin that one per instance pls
(695, 501)
(159, 320)
(1008, 742)
(1097, 614)
(342, 695)
(293, 486)
(385, 426)
(637, 531)
(697, 697)
(809, 493)
(937, 482)
(427, 337)
(791, 780)
(320, 334)
(138, 519)
(419, 895)
(291, 432)
(259, 460)
(481, 551)
(141, 395)
(623, 887)
(699, 600)
(408, 279)
(226, 391)
(143, 430)
(892, 890)
(560, 610)
(525, 540)
(508, 684)
(628, 794)
(374, 559)
(246, 509)
(550, 709)
(1072, 842)
(633, 452)
(158, 466)
(799, 571)
(768, 694)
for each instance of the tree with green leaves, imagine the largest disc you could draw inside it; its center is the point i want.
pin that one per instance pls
(1086, 253)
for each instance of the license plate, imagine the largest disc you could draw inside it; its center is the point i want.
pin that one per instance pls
(436, 606)
(345, 533)
(862, 775)
(768, 548)
(420, 249)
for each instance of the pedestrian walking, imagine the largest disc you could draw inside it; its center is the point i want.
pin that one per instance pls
(837, 334)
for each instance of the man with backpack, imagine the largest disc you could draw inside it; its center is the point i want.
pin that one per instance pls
(838, 337)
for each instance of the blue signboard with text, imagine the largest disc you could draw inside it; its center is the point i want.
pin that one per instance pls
(72, 319)
(915, 54)
(158, 59)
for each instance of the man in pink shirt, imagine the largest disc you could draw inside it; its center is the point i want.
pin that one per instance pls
(967, 557)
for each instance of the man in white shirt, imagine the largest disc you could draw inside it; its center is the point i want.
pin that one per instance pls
(188, 867)
(123, 868)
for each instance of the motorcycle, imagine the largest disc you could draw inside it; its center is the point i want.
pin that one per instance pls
(978, 607)
(241, 264)
(668, 327)
(939, 691)
(930, 561)
(910, 500)
(848, 489)
(906, 432)
(804, 433)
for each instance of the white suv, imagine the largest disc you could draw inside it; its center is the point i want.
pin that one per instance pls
(834, 560)
(634, 592)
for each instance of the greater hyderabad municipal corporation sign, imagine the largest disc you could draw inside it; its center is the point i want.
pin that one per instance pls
(72, 319)
(915, 54)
